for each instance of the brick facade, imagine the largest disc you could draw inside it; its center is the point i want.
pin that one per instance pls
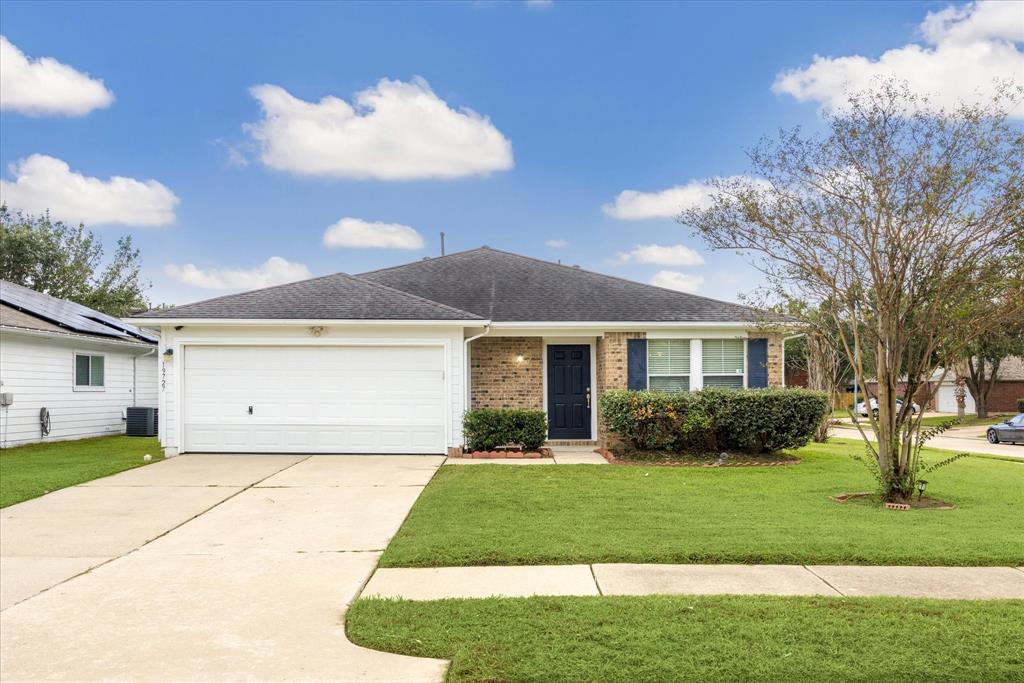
(499, 380)
(612, 370)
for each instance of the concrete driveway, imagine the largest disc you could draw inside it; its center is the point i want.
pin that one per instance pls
(205, 567)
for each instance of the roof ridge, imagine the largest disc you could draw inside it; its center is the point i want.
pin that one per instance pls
(578, 269)
(360, 280)
(425, 259)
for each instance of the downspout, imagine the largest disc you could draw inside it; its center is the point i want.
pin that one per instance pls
(465, 355)
(135, 387)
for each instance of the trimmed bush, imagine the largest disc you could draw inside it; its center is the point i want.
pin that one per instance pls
(711, 420)
(488, 428)
(1020, 405)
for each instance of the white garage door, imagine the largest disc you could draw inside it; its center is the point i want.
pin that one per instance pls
(945, 400)
(323, 399)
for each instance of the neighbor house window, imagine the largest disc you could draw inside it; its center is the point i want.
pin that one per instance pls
(88, 370)
(723, 363)
(668, 364)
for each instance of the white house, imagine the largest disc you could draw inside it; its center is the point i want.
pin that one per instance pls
(388, 361)
(68, 371)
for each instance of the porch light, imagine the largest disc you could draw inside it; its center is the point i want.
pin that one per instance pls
(168, 355)
(921, 484)
(519, 359)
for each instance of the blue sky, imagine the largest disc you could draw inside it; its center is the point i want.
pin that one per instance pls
(590, 99)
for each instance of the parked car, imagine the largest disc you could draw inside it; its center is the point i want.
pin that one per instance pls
(1010, 431)
(861, 408)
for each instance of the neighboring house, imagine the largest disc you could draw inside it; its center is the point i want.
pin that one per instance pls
(388, 361)
(84, 367)
(1008, 388)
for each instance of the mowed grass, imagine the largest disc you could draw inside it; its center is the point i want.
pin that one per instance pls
(34, 469)
(502, 515)
(715, 638)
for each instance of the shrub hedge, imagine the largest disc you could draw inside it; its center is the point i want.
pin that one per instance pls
(1020, 405)
(488, 428)
(712, 420)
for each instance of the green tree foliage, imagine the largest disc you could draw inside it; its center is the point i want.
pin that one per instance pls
(66, 262)
(901, 217)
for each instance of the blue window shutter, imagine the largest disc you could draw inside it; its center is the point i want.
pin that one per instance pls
(757, 363)
(636, 364)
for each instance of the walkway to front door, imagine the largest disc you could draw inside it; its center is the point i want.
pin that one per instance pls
(569, 393)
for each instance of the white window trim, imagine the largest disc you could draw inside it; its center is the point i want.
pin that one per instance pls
(688, 375)
(75, 386)
(746, 367)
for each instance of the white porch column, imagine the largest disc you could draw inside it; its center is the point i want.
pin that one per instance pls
(696, 365)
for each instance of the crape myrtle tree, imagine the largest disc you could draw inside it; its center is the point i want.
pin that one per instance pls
(906, 218)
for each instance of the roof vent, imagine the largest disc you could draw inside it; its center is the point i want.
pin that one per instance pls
(576, 266)
(426, 258)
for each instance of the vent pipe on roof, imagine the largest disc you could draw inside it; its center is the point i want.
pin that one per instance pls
(442, 243)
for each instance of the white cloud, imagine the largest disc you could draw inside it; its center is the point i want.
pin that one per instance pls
(393, 131)
(44, 86)
(556, 244)
(633, 205)
(540, 4)
(969, 47)
(274, 271)
(360, 234)
(675, 255)
(682, 282)
(44, 183)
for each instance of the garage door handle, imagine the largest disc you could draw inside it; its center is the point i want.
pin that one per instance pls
(250, 410)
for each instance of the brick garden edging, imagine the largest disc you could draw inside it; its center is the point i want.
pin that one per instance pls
(612, 459)
(497, 455)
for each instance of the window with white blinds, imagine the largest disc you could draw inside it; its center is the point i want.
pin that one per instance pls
(723, 363)
(668, 364)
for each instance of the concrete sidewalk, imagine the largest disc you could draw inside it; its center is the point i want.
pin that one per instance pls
(968, 583)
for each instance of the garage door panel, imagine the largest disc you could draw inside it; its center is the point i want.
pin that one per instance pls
(315, 399)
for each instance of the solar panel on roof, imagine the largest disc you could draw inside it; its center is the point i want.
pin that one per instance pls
(68, 314)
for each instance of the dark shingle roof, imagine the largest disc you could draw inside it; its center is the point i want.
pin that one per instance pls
(332, 297)
(506, 287)
(67, 315)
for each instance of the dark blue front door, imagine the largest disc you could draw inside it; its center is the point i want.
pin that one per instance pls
(569, 391)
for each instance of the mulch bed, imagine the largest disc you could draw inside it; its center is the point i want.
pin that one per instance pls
(677, 460)
(925, 503)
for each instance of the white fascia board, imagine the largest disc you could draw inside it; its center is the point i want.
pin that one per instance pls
(618, 325)
(318, 322)
(28, 332)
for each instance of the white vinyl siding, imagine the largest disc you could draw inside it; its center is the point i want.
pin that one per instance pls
(668, 364)
(724, 363)
(40, 372)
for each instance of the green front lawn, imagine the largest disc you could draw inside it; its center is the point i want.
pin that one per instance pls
(715, 638)
(34, 469)
(968, 421)
(497, 514)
